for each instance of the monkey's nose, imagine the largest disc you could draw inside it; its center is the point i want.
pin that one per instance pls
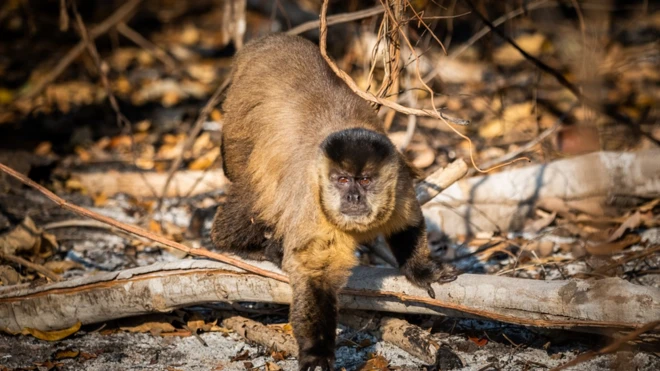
(353, 198)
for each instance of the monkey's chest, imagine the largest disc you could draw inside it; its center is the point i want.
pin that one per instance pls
(332, 251)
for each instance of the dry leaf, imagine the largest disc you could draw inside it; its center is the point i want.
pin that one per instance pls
(155, 328)
(649, 206)
(507, 55)
(206, 160)
(73, 184)
(460, 71)
(9, 276)
(478, 341)
(216, 115)
(67, 353)
(279, 356)
(101, 199)
(154, 227)
(52, 335)
(513, 118)
(87, 356)
(179, 333)
(216, 328)
(424, 156)
(43, 148)
(634, 221)
(609, 248)
(574, 140)
(541, 248)
(537, 225)
(270, 366)
(241, 356)
(364, 343)
(6, 96)
(202, 143)
(24, 237)
(170, 98)
(121, 141)
(196, 323)
(376, 363)
(283, 327)
(62, 266)
(49, 365)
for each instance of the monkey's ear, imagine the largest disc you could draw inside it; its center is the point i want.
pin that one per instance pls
(415, 173)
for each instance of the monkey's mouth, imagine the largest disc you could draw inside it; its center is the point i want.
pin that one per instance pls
(355, 211)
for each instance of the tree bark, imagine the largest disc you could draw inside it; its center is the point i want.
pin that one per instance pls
(261, 334)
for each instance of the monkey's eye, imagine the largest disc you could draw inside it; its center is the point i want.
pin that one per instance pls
(343, 180)
(364, 181)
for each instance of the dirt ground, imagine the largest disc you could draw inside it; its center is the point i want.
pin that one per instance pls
(124, 351)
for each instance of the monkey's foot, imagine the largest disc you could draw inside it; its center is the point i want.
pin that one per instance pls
(310, 363)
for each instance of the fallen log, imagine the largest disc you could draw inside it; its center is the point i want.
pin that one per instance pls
(503, 201)
(183, 183)
(576, 304)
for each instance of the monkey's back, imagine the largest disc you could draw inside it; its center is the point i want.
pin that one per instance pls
(283, 102)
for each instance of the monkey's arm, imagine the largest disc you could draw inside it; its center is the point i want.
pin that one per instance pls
(317, 273)
(410, 248)
(314, 319)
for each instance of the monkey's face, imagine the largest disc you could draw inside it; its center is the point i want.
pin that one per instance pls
(358, 178)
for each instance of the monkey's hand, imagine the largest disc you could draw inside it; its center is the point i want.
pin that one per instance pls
(425, 271)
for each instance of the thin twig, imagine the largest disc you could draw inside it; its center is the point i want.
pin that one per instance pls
(336, 19)
(610, 348)
(391, 26)
(64, 16)
(35, 267)
(150, 47)
(613, 114)
(119, 15)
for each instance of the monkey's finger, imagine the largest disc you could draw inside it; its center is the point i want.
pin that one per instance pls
(430, 291)
(446, 279)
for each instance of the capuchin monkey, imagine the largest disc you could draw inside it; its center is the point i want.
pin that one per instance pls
(313, 175)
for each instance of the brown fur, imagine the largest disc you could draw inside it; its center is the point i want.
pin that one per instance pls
(283, 103)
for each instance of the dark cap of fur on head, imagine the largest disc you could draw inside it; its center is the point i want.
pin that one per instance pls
(355, 148)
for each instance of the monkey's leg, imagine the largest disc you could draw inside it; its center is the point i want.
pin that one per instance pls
(235, 229)
(315, 282)
(410, 248)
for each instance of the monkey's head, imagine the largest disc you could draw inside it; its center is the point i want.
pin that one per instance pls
(358, 175)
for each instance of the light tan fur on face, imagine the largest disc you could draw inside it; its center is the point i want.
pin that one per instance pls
(381, 200)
